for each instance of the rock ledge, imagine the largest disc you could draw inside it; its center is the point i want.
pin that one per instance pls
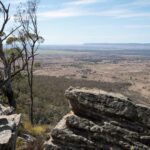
(101, 120)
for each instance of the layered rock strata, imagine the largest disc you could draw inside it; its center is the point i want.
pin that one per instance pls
(101, 120)
(9, 124)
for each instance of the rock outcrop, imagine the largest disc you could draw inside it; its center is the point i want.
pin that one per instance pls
(101, 120)
(9, 123)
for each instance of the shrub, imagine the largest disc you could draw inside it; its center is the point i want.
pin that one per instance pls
(21, 144)
(37, 64)
(35, 130)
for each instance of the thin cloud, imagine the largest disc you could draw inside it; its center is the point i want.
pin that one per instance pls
(14, 2)
(75, 9)
(139, 3)
(62, 13)
(133, 15)
(112, 13)
(83, 2)
(120, 13)
(76, 12)
(133, 4)
(137, 26)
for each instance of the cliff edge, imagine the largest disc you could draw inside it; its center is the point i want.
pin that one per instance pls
(101, 120)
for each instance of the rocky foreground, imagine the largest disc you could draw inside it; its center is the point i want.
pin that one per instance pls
(101, 120)
(9, 124)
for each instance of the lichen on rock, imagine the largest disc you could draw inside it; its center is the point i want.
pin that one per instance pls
(101, 120)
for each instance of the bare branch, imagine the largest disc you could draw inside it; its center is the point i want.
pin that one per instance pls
(6, 16)
(13, 30)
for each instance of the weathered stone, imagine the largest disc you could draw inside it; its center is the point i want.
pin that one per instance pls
(28, 138)
(6, 110)
(101, 120)
(8, 128)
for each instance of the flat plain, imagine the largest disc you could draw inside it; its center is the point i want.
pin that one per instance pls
(130, 69)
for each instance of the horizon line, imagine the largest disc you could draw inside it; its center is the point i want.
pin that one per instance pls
(140, 43)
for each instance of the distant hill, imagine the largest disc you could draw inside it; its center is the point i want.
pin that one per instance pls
(98, 46)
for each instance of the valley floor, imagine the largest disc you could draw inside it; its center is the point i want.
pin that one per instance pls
(132, 68)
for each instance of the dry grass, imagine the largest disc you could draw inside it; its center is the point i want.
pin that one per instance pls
(35, 130)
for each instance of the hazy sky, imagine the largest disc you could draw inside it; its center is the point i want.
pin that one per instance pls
(93, 21)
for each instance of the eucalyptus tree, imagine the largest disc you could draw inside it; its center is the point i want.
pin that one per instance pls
(30, 39)
(6, 63)
(23, 40)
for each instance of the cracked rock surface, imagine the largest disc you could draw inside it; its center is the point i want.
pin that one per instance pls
(101, 120)
(9, 124)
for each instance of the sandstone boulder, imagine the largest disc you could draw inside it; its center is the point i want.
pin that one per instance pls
(9, 124)
(101, 120)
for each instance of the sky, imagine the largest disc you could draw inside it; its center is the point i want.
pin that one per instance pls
(93, 21)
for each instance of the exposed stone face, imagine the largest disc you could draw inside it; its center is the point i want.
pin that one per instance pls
(6, 110)
(8, 128)
(101, 120)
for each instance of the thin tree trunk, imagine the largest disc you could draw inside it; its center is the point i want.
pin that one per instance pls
(8, 86)
(31, 110)
(7, 76)
(31, 115)
(30, 82)
(31, 90)
(10, 95)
